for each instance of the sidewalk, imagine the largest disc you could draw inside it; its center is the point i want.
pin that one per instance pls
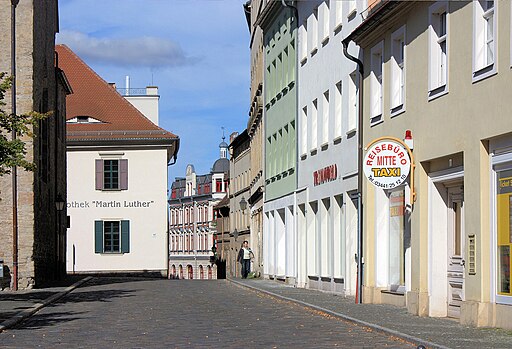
(427, 331)
(17, 306)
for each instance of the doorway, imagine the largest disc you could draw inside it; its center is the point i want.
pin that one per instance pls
(456, 249)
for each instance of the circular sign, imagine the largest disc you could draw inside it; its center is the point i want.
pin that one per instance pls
(387, 164)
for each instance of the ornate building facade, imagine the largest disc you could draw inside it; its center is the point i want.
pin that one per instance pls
(192, 224)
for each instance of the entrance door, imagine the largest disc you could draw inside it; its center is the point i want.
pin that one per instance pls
(456, 262)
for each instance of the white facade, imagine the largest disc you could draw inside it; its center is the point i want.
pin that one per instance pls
(143, 205)
(327, 146)
(145, 100)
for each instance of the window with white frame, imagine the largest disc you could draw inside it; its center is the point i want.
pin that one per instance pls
(352, 8)
(376, 78)
(484, 43)
(338, 12)
(337, 110)
(352, 102)
(325, 118)
(304, 130)
(324, 10)
(304, 41)
(314, 125)
(397, 79)
(313, 32)
(438, 48)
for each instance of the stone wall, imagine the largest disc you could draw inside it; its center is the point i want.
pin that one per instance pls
(36, 23)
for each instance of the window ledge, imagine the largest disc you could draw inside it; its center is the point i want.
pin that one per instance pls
(324, 146)
(313, 151)
(325, 41)
(303, 60)
(351, 132)
(437, 92)
(375, 120)
(352, 14)
(396, 293)
(397, 110)
(484, 73)
(337, 140)
(314, 51)
(337, 28)
(303, 156)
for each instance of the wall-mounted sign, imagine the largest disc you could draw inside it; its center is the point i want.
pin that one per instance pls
(387, 163)
(324, 175)
(109, 204)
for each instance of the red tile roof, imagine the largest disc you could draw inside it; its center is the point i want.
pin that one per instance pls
(94, 97)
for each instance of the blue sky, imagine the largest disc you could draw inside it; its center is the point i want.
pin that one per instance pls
(195, 51)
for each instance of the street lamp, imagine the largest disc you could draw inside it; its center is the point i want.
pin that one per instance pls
(59, 203)
(243, 204)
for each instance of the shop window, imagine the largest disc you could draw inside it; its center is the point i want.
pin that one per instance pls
(504, 230)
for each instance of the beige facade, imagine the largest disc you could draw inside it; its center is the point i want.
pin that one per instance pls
(255, 129)
(448, 83)
(240, 172)
(41, 229)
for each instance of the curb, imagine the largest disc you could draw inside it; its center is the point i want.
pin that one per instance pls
(24, 314)
(415, 340)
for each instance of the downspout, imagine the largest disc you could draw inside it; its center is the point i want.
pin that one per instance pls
(14, 3)
(359, 256)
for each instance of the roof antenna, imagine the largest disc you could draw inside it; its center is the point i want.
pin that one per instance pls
(223, 137)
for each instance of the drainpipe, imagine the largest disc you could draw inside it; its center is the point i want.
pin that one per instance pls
(359, 256)
(14, 3)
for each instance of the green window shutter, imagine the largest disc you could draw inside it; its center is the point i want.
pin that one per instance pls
(98, 236)
(125, 236)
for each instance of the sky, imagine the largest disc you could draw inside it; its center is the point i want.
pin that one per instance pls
(195, 51)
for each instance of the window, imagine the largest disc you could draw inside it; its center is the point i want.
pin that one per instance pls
(399, 239)
(352, 102)
(484, 44)
(338, 10)
(438, 49)
(112, 174)
(313, 32)
(352, 8)
(397, 70)
(337, 110)
(325, 118)
(376, 77)
(504, 230)
(304, 42)
(304, 131)
(314, 125)
(324, 10)
(112, 236)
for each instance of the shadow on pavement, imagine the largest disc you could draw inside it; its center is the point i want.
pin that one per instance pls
(39, 320)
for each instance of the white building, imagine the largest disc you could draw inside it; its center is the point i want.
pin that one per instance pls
(192, 230)
(327, 146)
(117, 178)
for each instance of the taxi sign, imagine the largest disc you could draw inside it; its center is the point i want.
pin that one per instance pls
(387, 163)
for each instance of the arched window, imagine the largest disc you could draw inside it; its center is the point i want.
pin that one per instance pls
(181, 271)
(190, 272)
(209, 273)
(201, 272)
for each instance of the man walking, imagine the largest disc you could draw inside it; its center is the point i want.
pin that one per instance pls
(244, 256)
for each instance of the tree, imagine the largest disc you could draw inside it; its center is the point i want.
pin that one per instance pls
(12, 151)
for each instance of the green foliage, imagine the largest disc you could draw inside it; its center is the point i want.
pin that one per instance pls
(13, 152)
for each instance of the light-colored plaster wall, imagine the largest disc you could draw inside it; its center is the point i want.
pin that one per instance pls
(147, 182)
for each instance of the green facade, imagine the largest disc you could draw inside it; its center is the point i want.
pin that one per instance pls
(280, 45)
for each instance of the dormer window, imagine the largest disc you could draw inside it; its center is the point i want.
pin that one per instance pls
(82, 119)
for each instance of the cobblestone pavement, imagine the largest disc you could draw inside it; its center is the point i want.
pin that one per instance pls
(443, 332)
(156, 313)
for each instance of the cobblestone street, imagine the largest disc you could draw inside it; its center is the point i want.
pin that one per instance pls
(146, 313)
